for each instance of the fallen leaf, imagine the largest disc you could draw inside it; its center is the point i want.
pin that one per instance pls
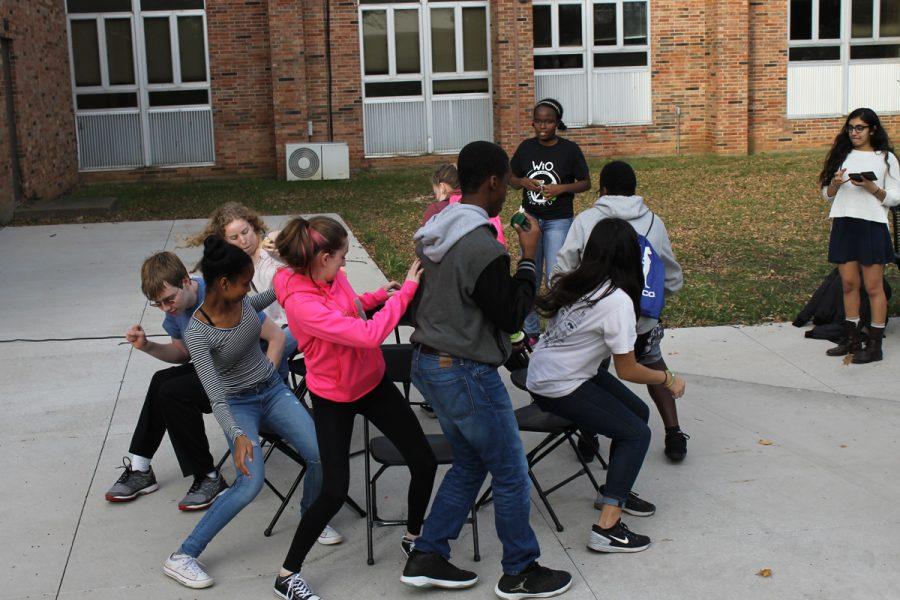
(764, 442)
(764, 572)
(843, 445)
(848, 359)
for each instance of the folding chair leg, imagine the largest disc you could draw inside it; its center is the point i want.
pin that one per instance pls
(543, 496)
(222, 460)
(477, 557)
(370, 557)
(354, 506)
(584, 465)
(287, 498)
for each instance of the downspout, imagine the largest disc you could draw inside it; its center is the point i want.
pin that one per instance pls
(327, 4)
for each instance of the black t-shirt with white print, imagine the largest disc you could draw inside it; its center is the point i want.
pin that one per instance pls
(562, 162)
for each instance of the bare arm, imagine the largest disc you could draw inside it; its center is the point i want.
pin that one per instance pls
(275, 337)
(629, 369)
(174, 352)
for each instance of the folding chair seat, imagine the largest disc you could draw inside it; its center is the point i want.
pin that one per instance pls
(398, 365)
(557, 431)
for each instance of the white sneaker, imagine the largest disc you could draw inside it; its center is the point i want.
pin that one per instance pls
(330, 536)
(187, 571)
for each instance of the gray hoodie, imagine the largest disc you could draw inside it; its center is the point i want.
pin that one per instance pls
(444, 229)
(633, 210)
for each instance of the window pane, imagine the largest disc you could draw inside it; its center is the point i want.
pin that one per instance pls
(443, 40)
(829, 19)
(393, 88)
(801, 19)
(862, 18)
(179, 97)
(192, 49)
(634, 15)
(890, 18)
(883, 51)
(119, 56)
(474, 39)
(559, 61)
(159, 50)
(406, 40)
(171, 4)
(815, 53)
(620, 59)
(375, 44)
(86, 53)
(570, 25)
(541, 17)
(92, 6)
(460, 86)
(604, 24)
(100, 101)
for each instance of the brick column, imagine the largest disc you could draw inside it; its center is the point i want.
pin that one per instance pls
(288, 71)
(728, 34)
(512, 66)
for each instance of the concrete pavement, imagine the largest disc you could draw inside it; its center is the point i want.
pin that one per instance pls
(816, 506)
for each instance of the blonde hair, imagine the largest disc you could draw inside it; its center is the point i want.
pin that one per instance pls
(446, 173)
(222, 216)
(158, 270)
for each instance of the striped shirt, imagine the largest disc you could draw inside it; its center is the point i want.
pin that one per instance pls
(229, 361)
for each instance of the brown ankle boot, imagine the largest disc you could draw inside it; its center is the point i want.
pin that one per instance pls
(849, 342)
(872, 351)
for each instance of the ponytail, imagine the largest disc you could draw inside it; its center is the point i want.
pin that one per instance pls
(301, 240)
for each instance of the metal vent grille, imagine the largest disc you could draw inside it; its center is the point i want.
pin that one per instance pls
(303, 163)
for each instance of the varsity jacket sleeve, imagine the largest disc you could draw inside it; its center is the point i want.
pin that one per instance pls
(506, 300)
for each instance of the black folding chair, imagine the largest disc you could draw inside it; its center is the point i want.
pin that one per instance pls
(557, 431)
(398, 364)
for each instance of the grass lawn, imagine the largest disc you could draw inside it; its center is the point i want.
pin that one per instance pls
(750, 232)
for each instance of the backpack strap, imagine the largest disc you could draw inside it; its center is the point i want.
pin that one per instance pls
(652, 221)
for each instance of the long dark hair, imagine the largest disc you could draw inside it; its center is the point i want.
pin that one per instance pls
(221, 259)
(842, 144)
(612, 254)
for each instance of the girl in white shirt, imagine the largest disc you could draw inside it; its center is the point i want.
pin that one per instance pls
(861, 178)
(593, 315)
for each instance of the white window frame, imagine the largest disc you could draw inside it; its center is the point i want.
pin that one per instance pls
(588, 49)
(426, 76)
(139, 57)
(845, 42)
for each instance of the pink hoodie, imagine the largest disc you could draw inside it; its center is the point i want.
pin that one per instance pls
(342, 349)
(495, 221)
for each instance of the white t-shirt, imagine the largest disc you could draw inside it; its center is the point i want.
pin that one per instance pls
(853, 201)
(578, 339)
(266, 267)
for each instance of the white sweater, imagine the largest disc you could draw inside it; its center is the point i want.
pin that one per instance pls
(855, 201)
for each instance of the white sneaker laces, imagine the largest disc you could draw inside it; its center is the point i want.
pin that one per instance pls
(297, 588)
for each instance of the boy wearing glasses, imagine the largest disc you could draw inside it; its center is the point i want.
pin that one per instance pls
(175, 400)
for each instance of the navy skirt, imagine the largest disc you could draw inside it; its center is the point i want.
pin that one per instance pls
(859, 240)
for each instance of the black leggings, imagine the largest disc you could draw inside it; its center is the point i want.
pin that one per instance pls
(385, 408)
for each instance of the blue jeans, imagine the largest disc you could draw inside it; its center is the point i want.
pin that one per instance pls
(553, 235)
(603, 405)
(272, 407)
(477, 419)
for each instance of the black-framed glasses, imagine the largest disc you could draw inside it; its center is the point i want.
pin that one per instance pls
(168, 300)
(856, 128)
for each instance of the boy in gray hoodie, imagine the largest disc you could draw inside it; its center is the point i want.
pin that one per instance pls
(468, 305)
(618, 184)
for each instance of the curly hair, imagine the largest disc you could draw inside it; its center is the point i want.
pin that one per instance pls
(222, 216)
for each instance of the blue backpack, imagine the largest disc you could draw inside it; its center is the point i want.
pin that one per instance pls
(653, 296)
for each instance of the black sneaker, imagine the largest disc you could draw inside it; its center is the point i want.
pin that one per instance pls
(406, 545)
(534, 582)
(203, 492)
(293, 587)
(634, 504)
(588, 446)
(676, 445)
(132, 483)
(617, 538)
(425, 570)
(429, 412)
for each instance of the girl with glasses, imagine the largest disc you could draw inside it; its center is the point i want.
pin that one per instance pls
(861, 178)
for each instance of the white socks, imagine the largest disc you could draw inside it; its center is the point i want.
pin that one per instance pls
(878, 325)
(139, 463)
(854, 320)
(213, 475)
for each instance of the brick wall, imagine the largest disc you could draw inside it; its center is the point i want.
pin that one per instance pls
(7, 193)
(42, 98)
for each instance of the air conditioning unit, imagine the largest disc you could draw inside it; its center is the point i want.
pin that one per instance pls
(317, 161)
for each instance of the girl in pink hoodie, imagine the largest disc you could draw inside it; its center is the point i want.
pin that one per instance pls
(345, 375)
(445, 184)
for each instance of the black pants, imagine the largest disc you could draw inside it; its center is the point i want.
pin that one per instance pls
(175, 402)
(388, 410)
